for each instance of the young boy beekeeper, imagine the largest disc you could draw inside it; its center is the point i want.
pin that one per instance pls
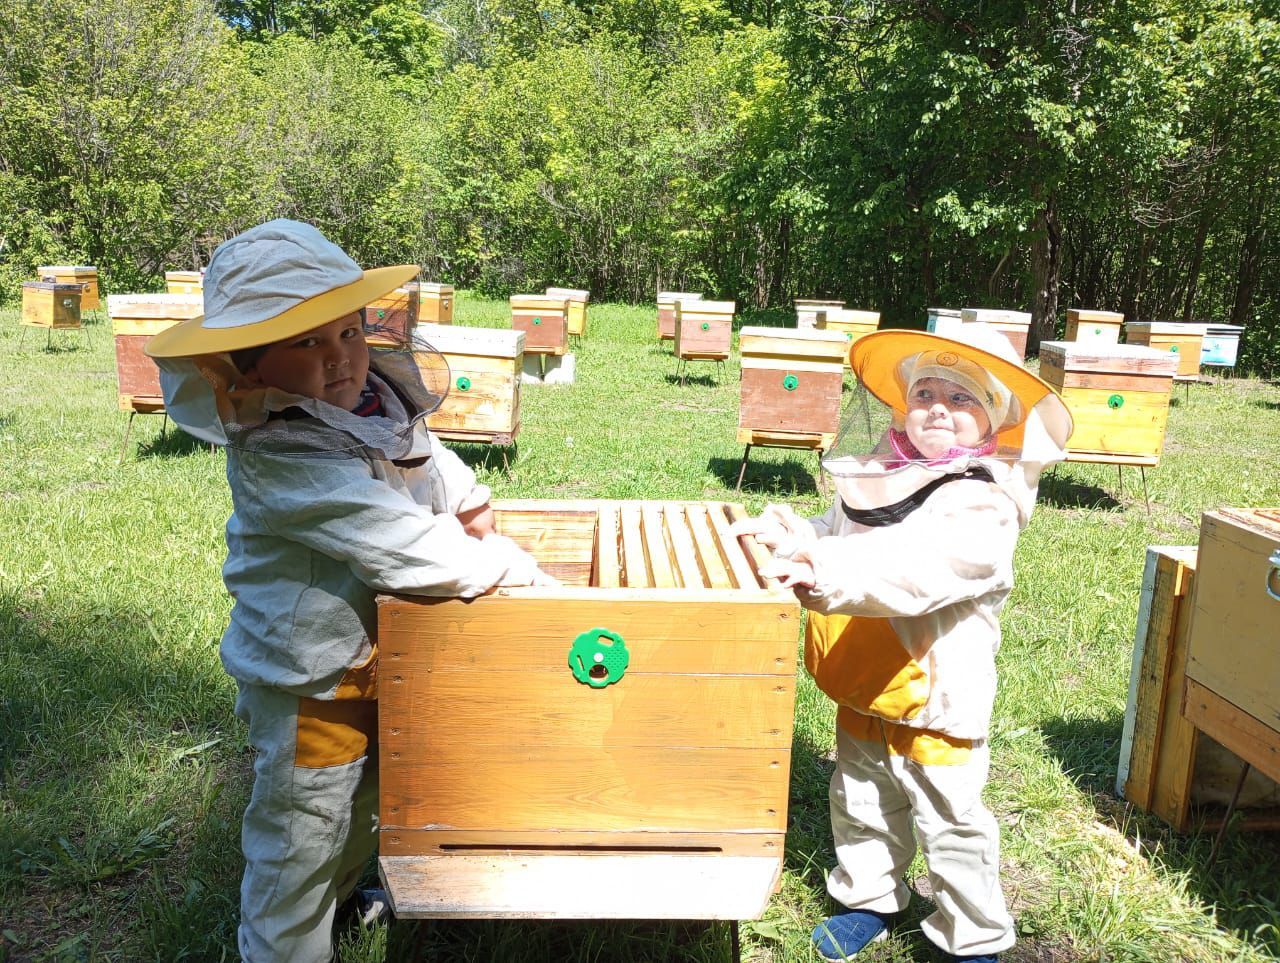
(904, 577)
(338, 492)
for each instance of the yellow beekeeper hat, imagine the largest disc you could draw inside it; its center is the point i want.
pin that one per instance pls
(272, 282)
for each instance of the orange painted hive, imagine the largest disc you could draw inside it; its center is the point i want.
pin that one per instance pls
(667, 311)
(704, 330)
(544, 321)
(483, 404)
(135, 319)
(1100, 326)
(51, 304)
(791, 386)
(82, 274)
(616, 746)
(1184, 341)
(577, 299)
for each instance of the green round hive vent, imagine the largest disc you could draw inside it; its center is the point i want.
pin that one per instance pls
(463, 383)
(791, 382)
(1115, 401)
(598, 658)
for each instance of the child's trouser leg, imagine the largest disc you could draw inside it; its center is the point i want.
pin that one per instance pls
(871, 826)
(961, 843)
(298, 827)
(364, 827)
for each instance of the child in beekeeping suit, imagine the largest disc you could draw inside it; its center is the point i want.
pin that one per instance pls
(338, 492)
(936, 470)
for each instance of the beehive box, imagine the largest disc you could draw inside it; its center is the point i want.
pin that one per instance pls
(854, 325)
(51, 304)
(184, 282)
(656, 788)
(1221, 345)
(83, 274)
(577, 299)
(944, 321)
(807, 310)
(483, 404)
(392, 318)
(1014, 325)
(435, 302)
(1180, 340)
(791, 386)
(1233, 651)
(1101, 326)
(135, 319)
(544, 321)
(667, 311)
(1118, 396)
(1167, 766)
(704, 330)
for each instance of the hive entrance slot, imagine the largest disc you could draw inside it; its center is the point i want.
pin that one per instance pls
(569, 848)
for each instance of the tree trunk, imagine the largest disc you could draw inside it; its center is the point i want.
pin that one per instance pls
(1046, 276)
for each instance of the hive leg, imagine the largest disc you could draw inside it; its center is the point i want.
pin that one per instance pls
(735, 943)
(1226, 817)
(743, 470)
(1142, 469)
(124, 446)
(822, 477)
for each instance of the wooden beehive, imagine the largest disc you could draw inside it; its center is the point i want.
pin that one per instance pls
(577, 299)
(82, 274)
(853, 324)
(1014, 325)
(807, 310)
(509, 788)
(791, 386)
(1100, 326)
(1221, 345)
(1118, 396)
(544, 321)
(1181, 340)
(51, 304)
(944, 321)
(392, 318)
(483, 404)
(667, 311)
(1233, 651)
(704, 330)
(1167, 766)
(135, 318)
(435, 302)
(184, 282)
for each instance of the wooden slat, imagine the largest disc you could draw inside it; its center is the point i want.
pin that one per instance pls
(757, 554)
(635, 566)
(607, 540)
(631, 886)
(708, 550)
(437, 842)
(562, 542)
(730, 550)
(656, 548)
(1250, 739)
(690, 569)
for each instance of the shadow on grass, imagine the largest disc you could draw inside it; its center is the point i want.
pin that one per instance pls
(786, 478)
(169, 441)
(1268, 405)
(1063, 492)
(1240, 884)
(481, 457)
(701, 380)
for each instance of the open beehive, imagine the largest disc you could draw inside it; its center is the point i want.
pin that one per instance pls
(483, 404)
(807, 310)
(1101, 326)
(667, 311)
(544, 321)
(853, 324)
(184, 282)
(577, 299)
(1014, 325)
(1183, 341)
(82, 274)
(51, 304)
(704, 330)
(1118, 396)
(791, 387)
(435, 302)
(392, 318)
(616, 746)
(135, 319)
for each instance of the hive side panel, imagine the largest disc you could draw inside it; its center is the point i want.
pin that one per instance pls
(562, 542)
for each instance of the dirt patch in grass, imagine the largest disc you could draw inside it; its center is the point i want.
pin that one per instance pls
(1031, 950)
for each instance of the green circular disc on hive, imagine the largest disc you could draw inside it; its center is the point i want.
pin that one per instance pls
(791, 382)
(598, 658)
(537, 320)
(1097, 331)
(381, 313)
(706, 326)
(464, 383)
(1115, 401)
(1173, 348)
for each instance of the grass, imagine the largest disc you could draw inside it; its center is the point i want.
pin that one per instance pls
(123, 772)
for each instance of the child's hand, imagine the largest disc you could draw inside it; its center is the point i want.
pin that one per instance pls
(776, 525)
(478, 522)
(792, 574)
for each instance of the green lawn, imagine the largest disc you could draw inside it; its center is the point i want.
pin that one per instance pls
(123, 772)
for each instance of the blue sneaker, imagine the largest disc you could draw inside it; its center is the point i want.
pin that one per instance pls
(838, 938)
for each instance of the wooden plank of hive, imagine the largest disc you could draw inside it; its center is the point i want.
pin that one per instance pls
(634, 565)
(730, 550)
(427, 842)
(656, 548)
(607, 537)
(708, 549)
(692, 574)
(562, 542)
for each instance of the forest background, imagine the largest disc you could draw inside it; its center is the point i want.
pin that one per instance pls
(893, 153)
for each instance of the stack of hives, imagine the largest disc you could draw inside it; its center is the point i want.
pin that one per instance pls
(86, 276)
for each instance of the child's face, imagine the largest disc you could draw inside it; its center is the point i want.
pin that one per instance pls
(329, 363)
(941, 415)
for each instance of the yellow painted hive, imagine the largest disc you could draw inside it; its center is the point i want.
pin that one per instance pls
(807, 310)
(544, 321)
(614, 747)
(791, 386)
(51, 304)
(1101, 326)
(392, 318)
(483, 404)
(704, 330)
(1118, 396)
(135, 319)
(184, 282)
(1179, 339)
(83, 274)
(667, 311)
(1014, 325)
(577, 299)
(852, 323)
(435, 302)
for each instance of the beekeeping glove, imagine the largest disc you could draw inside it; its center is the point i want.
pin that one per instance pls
(777, 528)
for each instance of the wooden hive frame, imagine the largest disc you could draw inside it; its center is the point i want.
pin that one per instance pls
(577, 299)
(391, 319)
(483, 404)
(544, 321)
(853, 323)
(435, 302)
(1014, 325)
(1086, 325)
(667, 311)
(84, 275)
(807, 310)
(510, 789)
(184, 282)
(1179, 339)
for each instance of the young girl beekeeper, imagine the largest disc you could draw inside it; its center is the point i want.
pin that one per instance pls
(338, 492)
(904, 577)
